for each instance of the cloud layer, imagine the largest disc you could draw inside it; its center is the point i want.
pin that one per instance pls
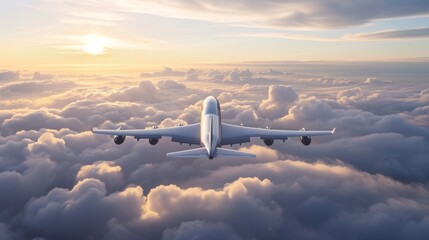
(273, 13)
(394, 34)
(368, 181)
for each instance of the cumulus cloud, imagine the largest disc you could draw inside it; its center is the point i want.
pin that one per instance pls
(238, 75)
(272, 72)
(9, 75)
(144, 91)
(192, 75)
(419, 116)
(380, 102)
(19, 183)
(41, 119)
(106, 172)
(333, 81)
(288, 205)
(34, 88)
(280, 97)
(42, 76)
(81, 212)
(166, 72)
(424, 95)
(60, 181)
(205, 230)
(168, 122)
(170, 85)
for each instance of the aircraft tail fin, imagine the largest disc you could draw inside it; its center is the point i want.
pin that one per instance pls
(191, 153)
(223, 152)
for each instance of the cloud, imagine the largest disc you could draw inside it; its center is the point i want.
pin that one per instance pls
(166, 72)
(238, 75)
(205, 230)
(234, 76)
(419, 116)
(308, 14)
(60, 181)
(170, 85)
(388, 34)
(424, 95)
(392, 34)
(369, 134)
(96, 112)
(80, 212)
(106, 172)
(9, 75)
(6, 233)
(145, 91)
(192, 75)
(89, 199)
(376, 101)
(311, 14)
(272, 72)
(288, 204)
(333, 81)
(280, 97)
(41, 119)
(42, 76)
(286, 35)
(39, 88)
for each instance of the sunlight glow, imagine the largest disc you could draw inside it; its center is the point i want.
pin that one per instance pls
(94, 44)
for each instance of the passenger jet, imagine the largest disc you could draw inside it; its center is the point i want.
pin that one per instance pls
(211, 134)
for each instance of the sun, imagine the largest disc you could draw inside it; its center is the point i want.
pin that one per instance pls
(94, 44)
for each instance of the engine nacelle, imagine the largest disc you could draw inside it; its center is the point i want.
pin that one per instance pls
(268, 142)
(306, 140)
(153, 141)
(118, 139)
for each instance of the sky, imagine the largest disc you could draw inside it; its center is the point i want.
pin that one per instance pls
(358, 66)
(73, 36)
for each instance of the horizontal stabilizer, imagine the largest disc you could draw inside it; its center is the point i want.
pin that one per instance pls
(191, 153)
(223, 152)
(202, 152)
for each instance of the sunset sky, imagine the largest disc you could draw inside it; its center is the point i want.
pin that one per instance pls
(360, 66)
(72, 35)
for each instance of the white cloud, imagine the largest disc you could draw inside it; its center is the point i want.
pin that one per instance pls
(291, 14)
(280, 98)
(106, 172)
(60, 181)
(422, 32)
(9, 75)
(166, 72)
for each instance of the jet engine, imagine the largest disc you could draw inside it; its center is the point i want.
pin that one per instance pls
(306, 140)
(118, 139)
(268, 142)
(153, 141)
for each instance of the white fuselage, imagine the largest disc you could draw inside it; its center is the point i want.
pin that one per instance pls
(210, 126)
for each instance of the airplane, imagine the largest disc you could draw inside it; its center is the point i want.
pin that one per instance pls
(211, 134)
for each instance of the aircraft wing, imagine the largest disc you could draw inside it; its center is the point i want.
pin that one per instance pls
(233, 134)
(189, 134)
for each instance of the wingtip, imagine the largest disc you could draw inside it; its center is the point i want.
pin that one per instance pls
(333, 130)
